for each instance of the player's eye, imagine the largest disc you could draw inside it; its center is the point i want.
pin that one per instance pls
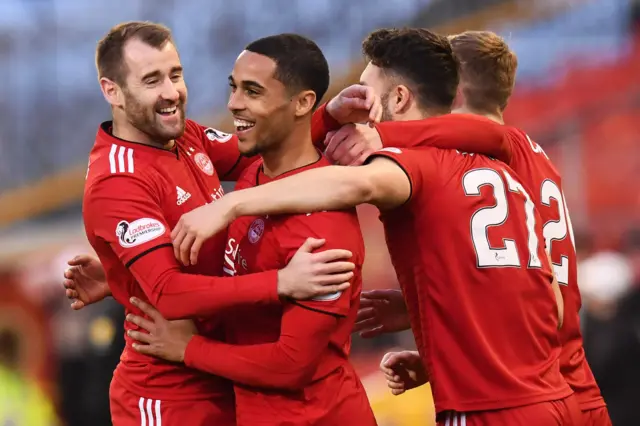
(233, 87)
(151, 82)
(252, 92)
(176, 77)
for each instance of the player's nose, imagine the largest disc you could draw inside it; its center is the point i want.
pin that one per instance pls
(235, 103)
(170, 92)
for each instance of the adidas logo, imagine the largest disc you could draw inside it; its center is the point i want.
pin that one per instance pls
(183, 195)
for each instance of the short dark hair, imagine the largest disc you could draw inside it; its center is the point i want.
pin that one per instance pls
(424, 59)
(300, 64)
(110, 50)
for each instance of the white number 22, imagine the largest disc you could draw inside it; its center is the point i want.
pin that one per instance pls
(557, 230)
(497, 215)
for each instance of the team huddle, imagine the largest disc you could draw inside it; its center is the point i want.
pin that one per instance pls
(240, 307)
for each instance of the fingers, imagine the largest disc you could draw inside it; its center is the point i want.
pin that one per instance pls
(147, 309)
(141, 322)
(375, 295)
(330, 255)
(185, 249)
(334, 139)
(375, 112)
(337, 267)
(195, 250)
(372, 332)
(365, 313)
(177, 241)
(71, 272)
(140, 336)
(177, 230)
(71, 294)
(77, 305)
(367, 323)
(341, 281)
(80, 260)
(312, 244)
(145, 349)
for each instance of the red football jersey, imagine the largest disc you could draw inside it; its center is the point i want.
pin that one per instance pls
(528, 159)
(469, 256)
(538, 173)
(331, 393)
(134, 195)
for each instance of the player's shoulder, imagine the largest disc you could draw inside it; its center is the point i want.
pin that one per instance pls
(112, 156)
(249, 176)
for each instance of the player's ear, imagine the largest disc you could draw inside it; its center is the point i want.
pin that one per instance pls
(305, 102)
(402, 99)
(111, 91)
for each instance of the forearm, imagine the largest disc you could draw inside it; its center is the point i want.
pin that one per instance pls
(464, 132)
(326, 188)
(186, 296)
(289, 363)
(179, 295)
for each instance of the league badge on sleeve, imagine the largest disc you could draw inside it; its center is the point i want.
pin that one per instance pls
(140, 231)
(215, 135)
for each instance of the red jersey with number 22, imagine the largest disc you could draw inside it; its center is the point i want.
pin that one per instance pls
(468, 252)
(529, 159)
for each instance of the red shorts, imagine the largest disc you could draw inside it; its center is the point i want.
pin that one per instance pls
(128, 409)
(597, 417)
(563, 412)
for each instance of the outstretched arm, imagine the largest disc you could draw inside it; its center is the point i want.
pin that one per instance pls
(382, 183)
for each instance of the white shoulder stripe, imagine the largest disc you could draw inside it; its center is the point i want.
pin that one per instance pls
(118, 165)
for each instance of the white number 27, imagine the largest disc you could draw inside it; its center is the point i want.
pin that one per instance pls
(496, 215)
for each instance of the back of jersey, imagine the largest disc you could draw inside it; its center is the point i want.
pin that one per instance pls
(468, 252)
(528, 159)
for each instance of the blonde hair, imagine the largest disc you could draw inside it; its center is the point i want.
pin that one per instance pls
(487, 69)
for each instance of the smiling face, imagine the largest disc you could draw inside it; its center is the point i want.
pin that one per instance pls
(155, 94)
(149, 103)
(264, 111)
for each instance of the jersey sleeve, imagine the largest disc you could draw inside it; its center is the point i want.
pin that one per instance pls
(125, 213)
(464, 132)
(223, 150)
(419, 164)
(321, 124)
(340, 230)
(288, 363)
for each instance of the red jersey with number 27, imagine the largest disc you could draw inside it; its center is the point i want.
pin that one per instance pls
(468, 251)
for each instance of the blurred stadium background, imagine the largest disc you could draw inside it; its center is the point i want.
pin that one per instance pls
(577, 94)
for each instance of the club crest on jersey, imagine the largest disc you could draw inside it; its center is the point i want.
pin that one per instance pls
(140, 231)
(204, 163)
(215, 135)
(256, 230)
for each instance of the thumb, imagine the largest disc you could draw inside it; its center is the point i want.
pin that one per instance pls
(80, 260)
(311, 244)
(394, 359)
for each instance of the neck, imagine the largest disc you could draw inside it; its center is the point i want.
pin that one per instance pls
(130, 133)
(491, 115)
(295, 151)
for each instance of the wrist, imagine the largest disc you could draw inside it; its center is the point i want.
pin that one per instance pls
(281, 287)
(329, 115)
(232, 206)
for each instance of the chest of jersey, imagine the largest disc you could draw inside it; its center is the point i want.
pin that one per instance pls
(252, 246)
(189, 181)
